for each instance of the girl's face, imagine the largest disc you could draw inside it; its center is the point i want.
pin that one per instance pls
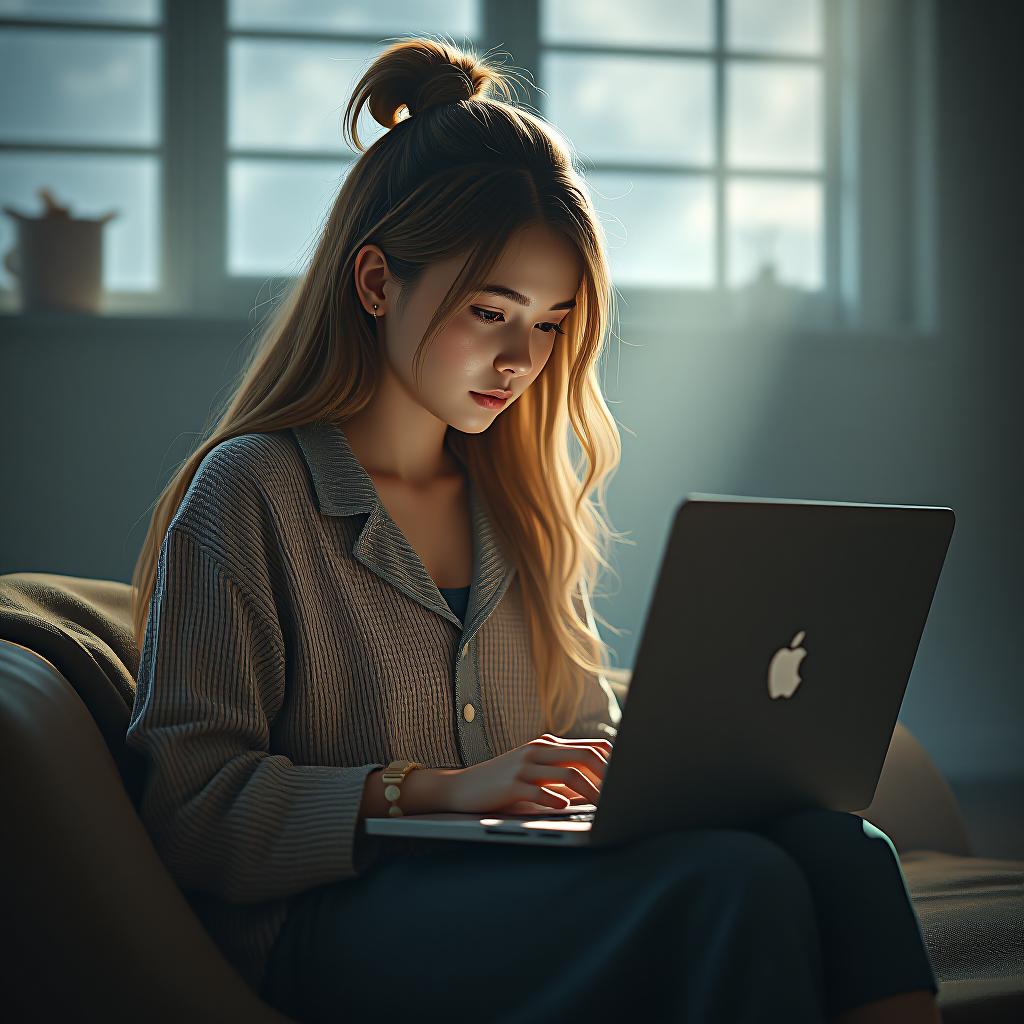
(495, 341)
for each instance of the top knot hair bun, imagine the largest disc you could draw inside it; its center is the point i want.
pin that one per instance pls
(414, 75)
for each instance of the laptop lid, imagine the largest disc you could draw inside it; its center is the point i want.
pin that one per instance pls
(775, 653)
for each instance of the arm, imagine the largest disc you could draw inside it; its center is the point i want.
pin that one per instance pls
(226, 815)
(424, 791)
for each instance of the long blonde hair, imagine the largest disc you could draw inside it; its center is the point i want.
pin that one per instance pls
(458, 171)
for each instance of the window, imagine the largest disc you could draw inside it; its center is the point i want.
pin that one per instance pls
(702, 126)
(744, 155)
(92, 135)
(291, 67)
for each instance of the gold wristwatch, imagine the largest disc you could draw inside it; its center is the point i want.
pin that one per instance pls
(394, 776)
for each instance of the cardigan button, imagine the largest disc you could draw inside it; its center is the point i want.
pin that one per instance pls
(469, 712)
(465, 650)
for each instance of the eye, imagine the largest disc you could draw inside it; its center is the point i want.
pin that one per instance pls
(483, 314)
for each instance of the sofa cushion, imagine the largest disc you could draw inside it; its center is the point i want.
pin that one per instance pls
(972, 918)
(83, 628)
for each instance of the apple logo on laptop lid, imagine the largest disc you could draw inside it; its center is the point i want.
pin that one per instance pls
(784, 668)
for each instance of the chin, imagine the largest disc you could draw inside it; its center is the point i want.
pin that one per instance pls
(475, 429)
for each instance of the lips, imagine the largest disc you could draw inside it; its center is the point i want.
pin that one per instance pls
(488, 401)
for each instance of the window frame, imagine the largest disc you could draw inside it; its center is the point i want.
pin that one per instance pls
(868, 284)
(129, 302)
(717, 303)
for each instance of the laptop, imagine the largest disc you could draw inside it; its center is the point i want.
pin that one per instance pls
(775, 653)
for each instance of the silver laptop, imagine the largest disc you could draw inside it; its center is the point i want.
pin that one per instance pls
(775, 653)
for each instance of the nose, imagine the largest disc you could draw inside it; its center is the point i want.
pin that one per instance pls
(517, 361)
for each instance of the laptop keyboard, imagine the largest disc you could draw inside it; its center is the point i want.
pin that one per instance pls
(580, 816)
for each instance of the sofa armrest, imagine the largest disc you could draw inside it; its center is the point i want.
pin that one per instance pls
(913, 804)
(103, 932)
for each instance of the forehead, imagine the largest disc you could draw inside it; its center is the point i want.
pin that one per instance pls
(541, 263)
(537, 263)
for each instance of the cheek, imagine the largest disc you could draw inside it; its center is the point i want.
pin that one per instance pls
(540, 351)
(459, 355)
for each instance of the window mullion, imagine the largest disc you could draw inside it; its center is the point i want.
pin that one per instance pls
(178, 182)
(207, 260)
(721, 231)
(833, 70)
(515, 28)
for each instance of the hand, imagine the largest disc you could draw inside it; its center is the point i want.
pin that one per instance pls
(547, 771)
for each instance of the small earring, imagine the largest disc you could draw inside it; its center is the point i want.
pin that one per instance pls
(375, 307)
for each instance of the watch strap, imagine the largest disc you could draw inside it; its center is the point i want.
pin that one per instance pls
(394, 775)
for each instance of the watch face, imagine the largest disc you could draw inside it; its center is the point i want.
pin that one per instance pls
(398, 767)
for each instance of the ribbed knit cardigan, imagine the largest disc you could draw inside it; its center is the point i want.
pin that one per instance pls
(295, 643)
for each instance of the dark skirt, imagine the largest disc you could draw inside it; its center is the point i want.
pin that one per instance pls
(799, 920)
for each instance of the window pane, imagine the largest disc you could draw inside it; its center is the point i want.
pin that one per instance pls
(777, 222)
(433, 16)
(275, 210)
(669, 23)
(774, 116)
(781, 26)
(92, 186)
(291, 95)
(631, 109)
(91, 87)
(660, 228)
(133, 12)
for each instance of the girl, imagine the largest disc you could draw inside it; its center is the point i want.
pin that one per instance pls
(369, 565)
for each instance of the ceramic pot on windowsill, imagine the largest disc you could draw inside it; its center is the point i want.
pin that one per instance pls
(58, 259)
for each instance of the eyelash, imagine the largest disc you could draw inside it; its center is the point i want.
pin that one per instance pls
(477, 311)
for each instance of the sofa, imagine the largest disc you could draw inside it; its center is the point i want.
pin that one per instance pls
(101, 931)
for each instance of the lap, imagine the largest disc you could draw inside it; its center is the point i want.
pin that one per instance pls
(472, 919)
(526, 881)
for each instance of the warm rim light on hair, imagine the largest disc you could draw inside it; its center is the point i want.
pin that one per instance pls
(460, 171)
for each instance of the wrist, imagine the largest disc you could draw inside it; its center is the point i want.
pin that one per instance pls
(427, 790)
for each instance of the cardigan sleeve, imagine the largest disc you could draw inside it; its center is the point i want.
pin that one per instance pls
(226, 815)
(599, 712)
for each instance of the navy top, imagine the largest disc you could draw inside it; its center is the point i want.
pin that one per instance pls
(458, 600)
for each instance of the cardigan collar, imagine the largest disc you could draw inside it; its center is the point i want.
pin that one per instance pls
(344, 488)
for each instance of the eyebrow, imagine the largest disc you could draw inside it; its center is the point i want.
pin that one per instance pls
(523, 300)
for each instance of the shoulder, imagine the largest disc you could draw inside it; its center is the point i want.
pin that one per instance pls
(245, 490)
(251, 460)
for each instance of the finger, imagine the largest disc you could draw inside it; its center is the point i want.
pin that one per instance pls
(601, 746)
(594, 774)
(542, 795)
(533, 788)
(574, 797)
(582, 784)
(599, 741)
(597, 746)
(590, 759)
(529, 807)
(570, 777)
